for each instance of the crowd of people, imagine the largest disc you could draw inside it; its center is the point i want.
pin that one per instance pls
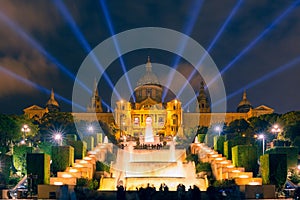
(146, 193)
(150, 146)
(145, 146)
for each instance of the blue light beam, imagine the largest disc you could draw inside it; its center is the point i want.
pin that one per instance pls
(257, 39)
(213, 42)
(80, 37)
(267, 76)
(254, 83)
(36, 86)
(196, 7)
(112, 32)
(37, 46)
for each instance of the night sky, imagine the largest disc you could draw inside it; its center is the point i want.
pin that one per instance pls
(256, 46)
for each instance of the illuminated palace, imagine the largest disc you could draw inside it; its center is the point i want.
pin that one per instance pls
(167, 118)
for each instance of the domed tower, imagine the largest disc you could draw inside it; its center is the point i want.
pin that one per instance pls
(52, 105)
(148, 86)
(203, 103)
(95, 104)
(245, 105)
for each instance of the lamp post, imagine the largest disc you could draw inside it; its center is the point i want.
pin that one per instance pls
(218, 128)
(25, 129)
(262, 137)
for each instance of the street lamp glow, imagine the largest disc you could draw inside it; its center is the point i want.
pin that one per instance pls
(90, 128)
(25, 129)
(218, 128)
(276, 129)
(58, 138)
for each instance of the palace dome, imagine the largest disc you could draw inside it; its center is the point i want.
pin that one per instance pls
(149, 77)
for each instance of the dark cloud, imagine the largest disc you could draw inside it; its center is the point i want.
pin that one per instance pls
(43, 22)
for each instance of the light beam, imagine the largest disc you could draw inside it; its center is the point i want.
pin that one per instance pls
(257, 39)
(112, 32)
(80, 37)
(232, 13)
(36, 86)
(40, 49)
(269, 75)
(196, 7)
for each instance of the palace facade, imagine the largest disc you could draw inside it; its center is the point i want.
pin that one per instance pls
(168, 118)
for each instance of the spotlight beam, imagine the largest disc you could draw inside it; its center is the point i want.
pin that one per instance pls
(219, 33)
(256, 82)
(257, 39)
(196, 7)
(40, 49)
(273, 73)
(36, 86)
(112, 32)
(80, 37)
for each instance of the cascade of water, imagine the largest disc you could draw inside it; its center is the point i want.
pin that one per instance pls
(105, 140)
(196, 139)
(172, 151)
(149, 130)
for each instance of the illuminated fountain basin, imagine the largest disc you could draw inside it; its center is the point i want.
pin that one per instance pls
(136, 168)
(149, 163)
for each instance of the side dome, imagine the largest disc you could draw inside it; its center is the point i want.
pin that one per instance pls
(245, 105)
(52, 104)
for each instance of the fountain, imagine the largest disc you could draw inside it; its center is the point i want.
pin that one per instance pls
(137, 167)
(196, 139)
(172, 151)
(105, 140)
(149, 131)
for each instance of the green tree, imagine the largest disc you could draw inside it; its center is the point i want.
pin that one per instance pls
(291, 131)
(32, 134)
(61, 121)
(290, 117)
(271, 118)
(9, 131)
(238, 126)
(258, 125)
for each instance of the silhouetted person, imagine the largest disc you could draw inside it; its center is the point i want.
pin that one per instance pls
(196, 193)
(189, 193)
(211, 192)
(180, 191)
(120, 192)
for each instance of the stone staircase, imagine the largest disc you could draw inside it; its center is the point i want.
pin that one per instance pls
(222, 168)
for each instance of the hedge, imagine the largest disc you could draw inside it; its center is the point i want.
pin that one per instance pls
(219, 144)
(245, 156)
(274, 169)
(19, 157)
(291, 152)
(80, 148)
(43, 171)
(62, 157)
